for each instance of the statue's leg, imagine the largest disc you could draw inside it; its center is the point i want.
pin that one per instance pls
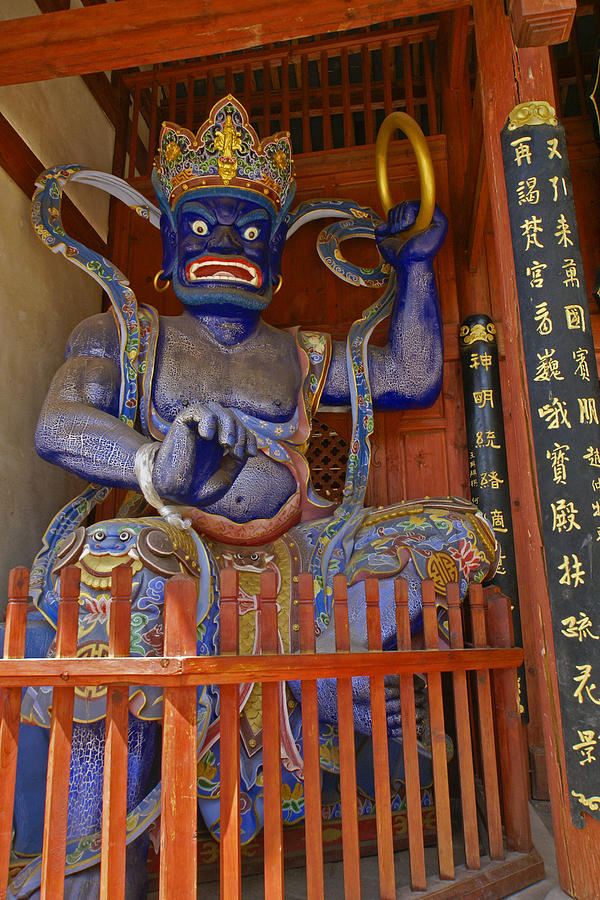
(85, 798)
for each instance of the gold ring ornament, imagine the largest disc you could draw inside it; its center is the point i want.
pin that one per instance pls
(158, 277)
(418, 142)
(277, 287)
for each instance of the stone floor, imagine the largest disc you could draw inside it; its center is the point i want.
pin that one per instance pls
(295, 883)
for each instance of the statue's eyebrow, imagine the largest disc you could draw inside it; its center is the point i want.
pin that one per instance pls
(200, 213)
(253, 216)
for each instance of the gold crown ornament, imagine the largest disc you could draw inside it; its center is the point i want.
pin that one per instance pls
(225, 151)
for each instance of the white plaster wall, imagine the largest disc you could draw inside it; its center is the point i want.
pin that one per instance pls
(62, 124)
(42, 297)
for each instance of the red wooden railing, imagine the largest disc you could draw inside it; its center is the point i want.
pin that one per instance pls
(484, 707)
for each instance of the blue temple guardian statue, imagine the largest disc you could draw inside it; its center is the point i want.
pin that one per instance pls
(204, 418)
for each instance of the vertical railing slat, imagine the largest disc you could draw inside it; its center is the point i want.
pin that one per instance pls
(387, 78)
(486, 728)
(310, 740)
(114, 795)
(189, 106)
(152, 138)
(273, 827)
(366, 76)
(133, 136)
(59, 752)
(463, 733)
(418, 877)
(438, 739)
(285, 93)
(229, 80)
(346, 104)
(350, 842)
(327, 143)
(266, 98)
(172, 100)
(178, 873)
(306, 138)
(408, 80)
(10, 708)
(430, 88)
(231, 872)
(511, 732)
(381, 763)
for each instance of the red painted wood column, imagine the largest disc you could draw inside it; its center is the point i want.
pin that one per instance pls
(508, 76)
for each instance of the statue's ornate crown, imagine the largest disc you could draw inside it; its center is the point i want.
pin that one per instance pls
(225, 150)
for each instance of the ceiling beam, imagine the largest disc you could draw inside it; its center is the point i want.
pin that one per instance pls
(143, 32)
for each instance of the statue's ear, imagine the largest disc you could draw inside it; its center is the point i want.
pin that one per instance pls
(169, 239)
(276, 246)
(167, 227)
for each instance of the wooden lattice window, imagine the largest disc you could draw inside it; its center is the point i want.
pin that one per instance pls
(327, 456)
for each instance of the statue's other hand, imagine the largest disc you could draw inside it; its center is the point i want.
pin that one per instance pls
(205, 440)
(423, 246)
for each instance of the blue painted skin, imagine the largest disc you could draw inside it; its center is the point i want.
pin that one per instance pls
(220, 356)
(224, 259)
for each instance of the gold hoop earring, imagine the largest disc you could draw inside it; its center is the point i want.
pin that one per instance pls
(278, 286)
(157, 278)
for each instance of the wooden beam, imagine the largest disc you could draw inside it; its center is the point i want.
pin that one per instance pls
(97, 82)
(536, 24)
(23, 166)
(457, 45)
(143, 32)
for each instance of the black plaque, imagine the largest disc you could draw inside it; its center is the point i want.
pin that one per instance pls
(488, 468)
(564, 402)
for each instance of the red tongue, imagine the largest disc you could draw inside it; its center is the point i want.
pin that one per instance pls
(211, 270)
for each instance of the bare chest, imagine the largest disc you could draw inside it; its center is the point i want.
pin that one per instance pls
(259, 377)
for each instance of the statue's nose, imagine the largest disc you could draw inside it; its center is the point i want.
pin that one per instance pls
(225, 240)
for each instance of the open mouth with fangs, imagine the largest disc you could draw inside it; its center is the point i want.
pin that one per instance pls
(213, 268)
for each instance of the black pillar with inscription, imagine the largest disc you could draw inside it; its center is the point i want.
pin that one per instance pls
(488, 468)
(564, 400)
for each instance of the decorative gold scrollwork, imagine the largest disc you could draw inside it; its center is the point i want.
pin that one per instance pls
(478, 332)
(535, 112)
(592, 803)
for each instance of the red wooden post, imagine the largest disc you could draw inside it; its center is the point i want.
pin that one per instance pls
(179, 763)
(231, 872)
(59, 753)
(114, 797)
(347, 751)
(10, 708)
(306, 137)
(273, 828)
(463, 733)
(381, 764)
(510, 730)
(438, 738)
(418, 877)
(486, 727)
(310, 741)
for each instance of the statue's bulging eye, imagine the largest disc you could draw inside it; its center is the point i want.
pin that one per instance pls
(254, 557)
(200, 227)
(99, 535)
(124, 535)
(250, 233)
